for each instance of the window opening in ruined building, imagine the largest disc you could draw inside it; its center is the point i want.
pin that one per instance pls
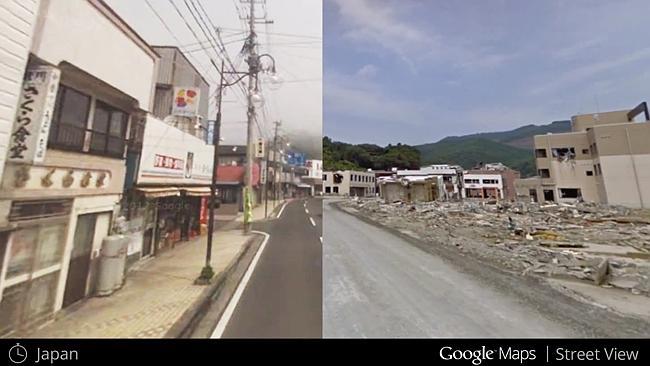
(570, 193)
(544, 173)
(564, 153)
(549, 195)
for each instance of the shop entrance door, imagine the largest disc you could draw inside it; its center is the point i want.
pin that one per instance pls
(75, 284)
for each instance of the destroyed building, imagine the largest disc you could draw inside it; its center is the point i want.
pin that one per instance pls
(411, 189)
(604, 159)
(452, 178)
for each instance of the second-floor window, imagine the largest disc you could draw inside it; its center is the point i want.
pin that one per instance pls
(70, 131)
(108, 130)
(69, 121)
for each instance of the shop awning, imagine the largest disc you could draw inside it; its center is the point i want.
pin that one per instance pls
(198, 191)
(159, 192)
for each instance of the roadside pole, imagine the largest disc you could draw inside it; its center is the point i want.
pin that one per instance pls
(266, 184)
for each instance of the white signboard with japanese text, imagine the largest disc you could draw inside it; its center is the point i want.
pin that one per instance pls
(186, 101)
(28, 140)
(264, 172)
(171, 156)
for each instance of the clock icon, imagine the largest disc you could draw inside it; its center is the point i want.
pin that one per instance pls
(17, 354)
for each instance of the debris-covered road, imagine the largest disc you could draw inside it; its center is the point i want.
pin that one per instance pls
(380, 282)
(605, 245)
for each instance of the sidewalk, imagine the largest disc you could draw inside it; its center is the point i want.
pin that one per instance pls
(155, 295)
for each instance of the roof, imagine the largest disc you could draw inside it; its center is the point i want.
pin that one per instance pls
(180, 52)
(232, 150)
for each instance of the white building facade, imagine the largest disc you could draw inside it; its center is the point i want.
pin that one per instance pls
(349, 183)
(89, 76)
(482, 185)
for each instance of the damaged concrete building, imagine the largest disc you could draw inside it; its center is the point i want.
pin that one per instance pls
(411, 188)
(604, 159)
(349, 183)
(490, 181)
(452, 178)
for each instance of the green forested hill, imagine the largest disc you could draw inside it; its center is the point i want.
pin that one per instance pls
(513, 148)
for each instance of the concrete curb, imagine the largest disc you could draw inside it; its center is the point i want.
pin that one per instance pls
(221, 287)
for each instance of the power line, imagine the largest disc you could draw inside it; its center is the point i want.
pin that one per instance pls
(223, 50)
(178, 42)
(282, 34)
(178, 11)
(208, 36)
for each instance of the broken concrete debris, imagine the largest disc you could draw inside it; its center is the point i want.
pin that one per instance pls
(606, 245)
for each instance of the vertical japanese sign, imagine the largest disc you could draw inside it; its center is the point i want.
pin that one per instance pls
(189, 164)
(28, 140)
(209, 137)
(186, 102)
(263, 172)
(204, 211)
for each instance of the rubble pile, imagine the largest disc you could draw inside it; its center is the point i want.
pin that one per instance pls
(609, 245)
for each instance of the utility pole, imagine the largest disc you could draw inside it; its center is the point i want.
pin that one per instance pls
(275, 160)
(252, 81)
(207, 273)
(266, 180)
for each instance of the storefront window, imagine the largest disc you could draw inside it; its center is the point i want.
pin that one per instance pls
(11, 305)
(22, 251)
(41, 296)
(35, 248)
(50, 246)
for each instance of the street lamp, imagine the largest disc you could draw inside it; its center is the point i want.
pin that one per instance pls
(255, 67)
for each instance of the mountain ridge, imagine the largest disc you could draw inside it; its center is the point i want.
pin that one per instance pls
(512, 147)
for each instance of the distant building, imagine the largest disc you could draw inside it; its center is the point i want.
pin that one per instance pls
(508, 177)
(349, 183)
(483, 184)
(182, 94)
(605, 158)
(451, 177)
(232, 155)
(411, 189)
(314, 178)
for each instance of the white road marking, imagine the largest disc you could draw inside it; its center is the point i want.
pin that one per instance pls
(321, 240)
(312, 221)
(282, 209)
(306, 210)
(232, 304)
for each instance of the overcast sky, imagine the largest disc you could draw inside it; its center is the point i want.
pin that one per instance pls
(295, 40)
(417, 71)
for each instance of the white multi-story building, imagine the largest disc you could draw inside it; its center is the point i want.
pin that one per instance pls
(349, 183)
(482, 184)
(604, 159)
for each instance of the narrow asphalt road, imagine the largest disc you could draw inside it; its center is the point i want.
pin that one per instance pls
(283, 298)
(378, 285)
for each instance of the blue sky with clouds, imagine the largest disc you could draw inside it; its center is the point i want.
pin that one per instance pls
(417, 71)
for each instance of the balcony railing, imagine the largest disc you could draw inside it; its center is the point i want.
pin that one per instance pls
(73, 138)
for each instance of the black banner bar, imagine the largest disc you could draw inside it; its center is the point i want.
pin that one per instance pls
(473, 352)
